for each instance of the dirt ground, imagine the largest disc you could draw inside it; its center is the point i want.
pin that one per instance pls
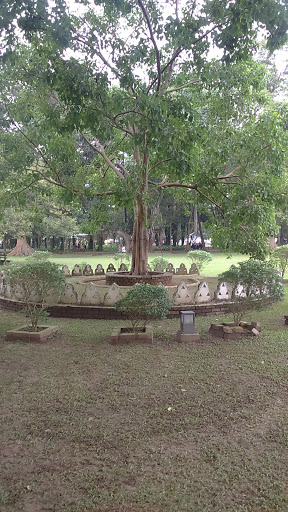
(87, 427)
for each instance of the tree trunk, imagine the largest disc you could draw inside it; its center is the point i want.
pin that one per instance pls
(100, 240)
(187, 248)
(21, 249)
(272, 243)
(151, 239)
(140, 239)
(127, 240)
(201, 233)
(94, 238)
(90, 243)
(166, 232)
(195, 220)
(140, 229)
(161, 235)
(175, 237)
(171, 242)
(4, 244)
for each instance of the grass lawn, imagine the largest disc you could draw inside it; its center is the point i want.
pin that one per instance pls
(219, 263)
(89, 427)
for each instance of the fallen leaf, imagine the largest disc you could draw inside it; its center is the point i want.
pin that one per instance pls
(91, 418)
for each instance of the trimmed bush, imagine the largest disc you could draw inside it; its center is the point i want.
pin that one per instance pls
(159, 260)
(201, 258)
(41, 283)
(144, 302)
(123, 257)
(262, 284)
(39, 256)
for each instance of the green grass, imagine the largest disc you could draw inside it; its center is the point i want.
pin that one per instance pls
(89, 427)
(219, 263)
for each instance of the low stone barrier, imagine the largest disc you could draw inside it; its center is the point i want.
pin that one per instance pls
(109, 312)
(126, 279)
(99, 270)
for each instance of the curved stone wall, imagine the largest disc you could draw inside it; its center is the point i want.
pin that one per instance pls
(126, 279)
(109, 312)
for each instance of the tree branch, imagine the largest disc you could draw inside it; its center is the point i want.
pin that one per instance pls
(193, 82)
(127, 112)
(179, 50)
(46, 162)
(120, 165)
(112, 119)
(175, 184)
(173, 58)
(159, 163)
(229, 174)
(154, 43)
(209, 199)
(98, 53)
(26, 187)
(99, 148)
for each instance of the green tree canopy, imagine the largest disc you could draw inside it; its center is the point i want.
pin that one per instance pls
(131, 83)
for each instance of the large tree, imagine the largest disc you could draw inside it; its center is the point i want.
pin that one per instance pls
(132, 80)
(16, 224)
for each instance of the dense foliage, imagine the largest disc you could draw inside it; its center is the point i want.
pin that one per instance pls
(201, 258)
(261, 284)
(144, 302)
(122, 102)
(39, 282)
(279, 258)
(159, 260)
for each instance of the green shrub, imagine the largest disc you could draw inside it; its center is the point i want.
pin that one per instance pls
(179, 248)
(111, 248)
(201, 258)
(261, 282)
(144, 302)
(164, 248)
(279, 258)
(122, 257)
(82, 265)
(41, 283)
(159, 260)
(39, 256)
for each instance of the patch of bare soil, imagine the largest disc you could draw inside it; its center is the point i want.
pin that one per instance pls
(89, 429)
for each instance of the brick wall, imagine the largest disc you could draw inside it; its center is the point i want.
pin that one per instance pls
(125, 279)
(110, 313)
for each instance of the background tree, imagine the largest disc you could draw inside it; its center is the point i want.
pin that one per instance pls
(16, 224)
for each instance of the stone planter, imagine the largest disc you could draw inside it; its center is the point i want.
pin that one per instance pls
(187, 338)
(229, 331)
(125, 335)
(38, 336)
